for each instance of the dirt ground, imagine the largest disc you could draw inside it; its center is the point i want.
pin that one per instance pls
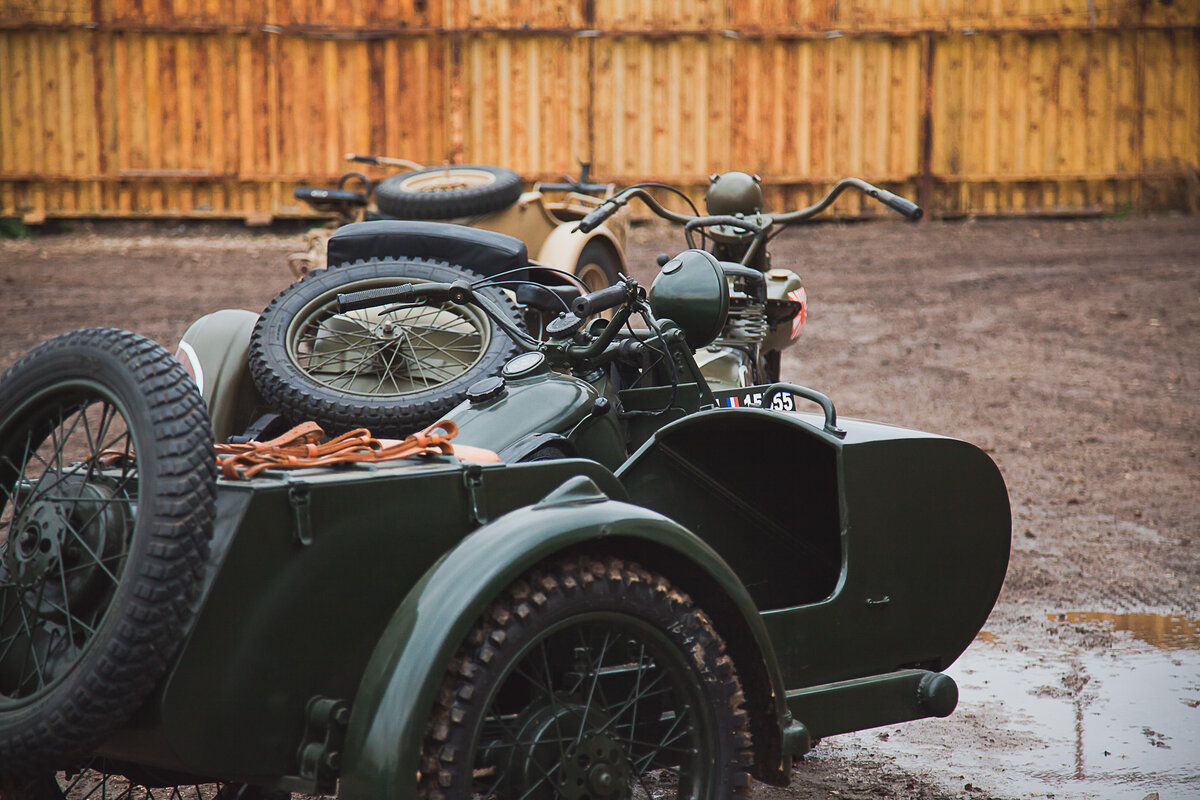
(1069, 350)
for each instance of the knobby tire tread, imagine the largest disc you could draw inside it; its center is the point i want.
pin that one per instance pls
(147, 617)
(508, 619)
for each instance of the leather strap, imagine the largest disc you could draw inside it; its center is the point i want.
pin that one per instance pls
(303, 446)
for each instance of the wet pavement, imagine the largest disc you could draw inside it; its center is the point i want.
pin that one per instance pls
(1064, 705)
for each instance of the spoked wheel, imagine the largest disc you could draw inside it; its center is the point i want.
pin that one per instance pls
(97, 780)
(589, 680)
(107, 492)
(392, 370)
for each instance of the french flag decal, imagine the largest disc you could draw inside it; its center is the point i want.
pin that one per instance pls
(801, 297)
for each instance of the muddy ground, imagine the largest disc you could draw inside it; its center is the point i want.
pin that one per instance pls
(1069, 350)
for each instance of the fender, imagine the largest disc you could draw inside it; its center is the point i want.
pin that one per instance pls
(394, 700)
(563, 247)
(215, 352)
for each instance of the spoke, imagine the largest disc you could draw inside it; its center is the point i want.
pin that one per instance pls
(637, 688)
(499, 723)
(30, 651)
(96, 559)
(105, 560)
(647, 693)
(62, 575)
(416, 361)
(666, 741)
(16, 636)
(592, 691)
(386, 372)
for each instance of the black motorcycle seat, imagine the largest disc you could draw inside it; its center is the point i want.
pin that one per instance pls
(485, 252)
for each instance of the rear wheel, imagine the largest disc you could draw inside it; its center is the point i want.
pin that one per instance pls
(107, 494)
(589, 679)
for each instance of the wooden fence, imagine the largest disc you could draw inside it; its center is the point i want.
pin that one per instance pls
(218, 108)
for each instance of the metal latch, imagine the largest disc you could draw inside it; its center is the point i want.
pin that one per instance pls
(473, 480)
(298, 497)
(320, 753)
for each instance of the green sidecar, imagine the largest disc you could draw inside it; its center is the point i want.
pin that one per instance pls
(670, 615)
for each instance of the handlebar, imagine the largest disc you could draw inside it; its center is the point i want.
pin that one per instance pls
(457, 292)
(904, 206)
(596, 216)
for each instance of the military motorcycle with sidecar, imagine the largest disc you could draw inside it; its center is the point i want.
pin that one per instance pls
(644, 593)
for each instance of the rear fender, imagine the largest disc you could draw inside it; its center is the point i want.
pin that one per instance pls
(215, 351)
(396, 696)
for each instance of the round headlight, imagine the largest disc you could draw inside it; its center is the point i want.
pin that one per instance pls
(692, 292)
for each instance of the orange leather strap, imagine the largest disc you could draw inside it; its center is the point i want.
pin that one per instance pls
(302, 446)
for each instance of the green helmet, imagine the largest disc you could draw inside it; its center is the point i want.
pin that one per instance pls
(733, 193)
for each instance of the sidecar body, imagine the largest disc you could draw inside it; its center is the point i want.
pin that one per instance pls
(334, 599)
(842, 564)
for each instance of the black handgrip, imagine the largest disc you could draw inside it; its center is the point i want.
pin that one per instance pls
(369, 298)
(596, 216)
(907, 208)
(600, 300)
(312, 194)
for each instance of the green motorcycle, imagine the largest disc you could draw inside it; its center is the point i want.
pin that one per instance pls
(647, 593)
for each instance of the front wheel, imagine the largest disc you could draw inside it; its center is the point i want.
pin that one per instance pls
(598, 266)
(589, 679)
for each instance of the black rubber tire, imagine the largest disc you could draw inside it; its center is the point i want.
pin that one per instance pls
(149, 519)
(467, 190)
(597, 266)
(543, 619)
(294, 320)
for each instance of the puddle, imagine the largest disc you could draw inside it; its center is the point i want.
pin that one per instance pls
(1163, 631)
(1039, 716)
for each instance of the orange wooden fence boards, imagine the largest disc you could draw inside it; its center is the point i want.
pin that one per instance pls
(220, 107)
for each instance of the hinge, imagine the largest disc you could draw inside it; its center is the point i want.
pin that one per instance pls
(473, 480)
(298, 497)
(320, 753)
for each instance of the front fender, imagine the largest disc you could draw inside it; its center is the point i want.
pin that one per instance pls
(394, 700)
(564, 245)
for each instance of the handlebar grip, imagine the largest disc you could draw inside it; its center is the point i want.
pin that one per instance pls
(362, 159)
(906, 208)
(597, 216)
(311, 194)
(369, 298)
(600, 300)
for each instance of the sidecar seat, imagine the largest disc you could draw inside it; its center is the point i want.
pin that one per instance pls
(485, 252)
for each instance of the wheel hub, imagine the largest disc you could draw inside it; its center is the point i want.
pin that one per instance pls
(62, 542)
(597, 767)
(393, 351)
(559, 741)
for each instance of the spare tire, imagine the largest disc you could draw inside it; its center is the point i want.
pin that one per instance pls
(465, 190)
(391, 370)
(107, 496)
